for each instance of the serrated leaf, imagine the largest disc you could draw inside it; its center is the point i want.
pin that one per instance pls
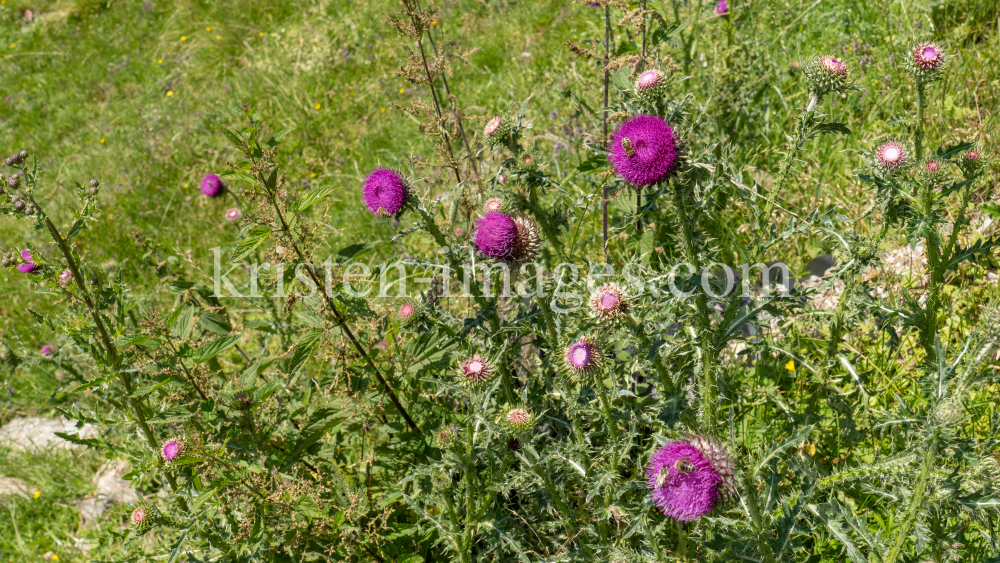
(306, 200)
(238, 175)
(303, 350)
(353, 250)
(233, 137)
(832, 127)
(214, 323)
(308, 508)
(248, 245)
(215, 347)
(182, 328)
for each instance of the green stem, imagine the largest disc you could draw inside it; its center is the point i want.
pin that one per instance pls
(916, 500)
(703, 326)
(666, 382)
(753, 505)
(918, 134)
(932, 246)
(606, 402)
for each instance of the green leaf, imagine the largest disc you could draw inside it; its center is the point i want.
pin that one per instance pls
(320, 423)
(237, 175)
(38, 318)
(204, 497)
(306, 200)
(215, 347)
(178, 286)
(273, 141)
(662, 34)
(831, 127)
(308, 508)
(250, 374)
(303, 350)
(214, 323)
(233, 137)
(182, 328)
(176, 551)
(248, 245)
(353, 250)
(595, 162)
(960, 255)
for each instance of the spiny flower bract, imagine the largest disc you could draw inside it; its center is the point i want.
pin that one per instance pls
(582, 357)
(828, 74)
(171, 450)
(515, 420)
(608, 301)
(644, 150)
(475, 370)
(385, 192)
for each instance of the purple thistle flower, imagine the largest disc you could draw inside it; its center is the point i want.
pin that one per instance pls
(685, 484)
(171, 450)
(649, 80)
(608, 301)
(583, 357)
(65, 276)
(212, 185)
(48, 350)
(233, 214)
(385, 192)
(890, 155)
(30, 266)
(496, 235)
(928, 56)
(644, 150)
(475, 370)
(722, 7)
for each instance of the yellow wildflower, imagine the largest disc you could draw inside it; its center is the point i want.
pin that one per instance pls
(383, 110)
(186, 185)
(102, 140)
(159, 61)
(170, 92)
(208, 29)
(318, 106)
(37, 494)
(790, 366)
(183, 37)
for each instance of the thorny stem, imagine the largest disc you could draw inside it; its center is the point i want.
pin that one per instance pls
(340, 320)
(661, 370)
(109, 346)
(707, 384)
(786, 164)
(918, 134)
(754, 508)
(933, 245)
(916, 500)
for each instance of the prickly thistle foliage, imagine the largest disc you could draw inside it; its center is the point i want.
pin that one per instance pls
(649, 411)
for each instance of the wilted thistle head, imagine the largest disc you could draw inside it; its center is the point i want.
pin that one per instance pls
(607, 302)
(212, 185)
(385, 192)
(497, 131)
(29, 264)
(171, 450)
(828, 74)
(233, 214)
(891, 156)
(688, 477)
(503, 237)
(644, 150)
(515, 420)
(493, 205)
(475, 370)
(582, 357)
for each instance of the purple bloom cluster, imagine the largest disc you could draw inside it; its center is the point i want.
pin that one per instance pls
(644, 150)
(496, 235)
(385, 192)
(212, 185)
(685, 484)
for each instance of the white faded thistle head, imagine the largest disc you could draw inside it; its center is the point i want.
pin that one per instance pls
(828, 74)
(475, 370)
(515, 420)
(926, 61)
(891, 156)
(608, 302)
(497, 131)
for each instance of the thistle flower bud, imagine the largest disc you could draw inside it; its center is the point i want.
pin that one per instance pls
(13, 182)
(386, 192)
(475, 371)
(497, 131)
(828, 74)
(515, 421)
(22, 155)
(18, 205)
(410, 312)
(971, 163)
(493, 205)
(651, 83)
(445, 437)
(6, 262)
(931, 172)
(891, 156)
(233, 214)
(94, 183)
(138, 517)
(949, 412)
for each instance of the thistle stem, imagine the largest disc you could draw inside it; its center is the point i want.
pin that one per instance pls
(916, 500)
(918, 134)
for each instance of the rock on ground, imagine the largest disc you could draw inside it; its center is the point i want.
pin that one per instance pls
(12, 486)
(40, 433)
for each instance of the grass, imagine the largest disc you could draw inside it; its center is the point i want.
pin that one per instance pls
(131, 93)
